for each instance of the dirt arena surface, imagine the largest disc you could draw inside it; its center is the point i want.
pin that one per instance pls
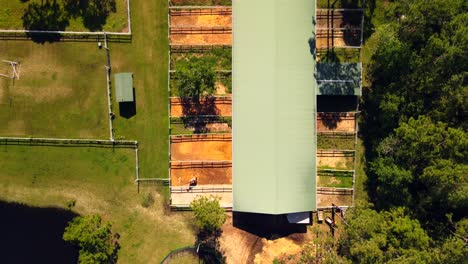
(219, 106)
(201, 147)
(207, 173)
(324, 200)
(336, 122)
(214, 17)
(201, 39)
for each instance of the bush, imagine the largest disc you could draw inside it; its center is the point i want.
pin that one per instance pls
(209, 215)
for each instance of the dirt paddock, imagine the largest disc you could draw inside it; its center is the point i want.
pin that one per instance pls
(221, 106)
(201, 147)
(206, 173)
(201, 17)
(324, 200)
(336, 122)
(201, 39)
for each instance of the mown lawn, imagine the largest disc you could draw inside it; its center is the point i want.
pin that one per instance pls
(101, 181)
(97, 15)
(61, 91)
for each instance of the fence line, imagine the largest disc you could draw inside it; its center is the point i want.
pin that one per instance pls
(25, 31)
(200, 189)
(200, 12)
(200, 30)
(335, 153)
(196, 7)
(75, 141)
(341, 9)
(201, 137)
(109, 90)
(196, 47)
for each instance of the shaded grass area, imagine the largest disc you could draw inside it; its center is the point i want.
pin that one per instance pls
(96, 15)
(328, 142)
(201, 2)
(361, 177)
(100, 181)
(61, 91)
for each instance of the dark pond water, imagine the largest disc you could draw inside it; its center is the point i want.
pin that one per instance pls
(34, 235)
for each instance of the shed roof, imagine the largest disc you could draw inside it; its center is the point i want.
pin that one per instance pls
(339, 78)
(274, 106)
(124, 87)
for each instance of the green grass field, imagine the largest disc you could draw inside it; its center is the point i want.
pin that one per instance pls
(100, 181)
(55, 15)
(63, 93)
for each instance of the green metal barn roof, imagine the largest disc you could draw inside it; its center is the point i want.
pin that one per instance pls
(274, 144)
(124, 87)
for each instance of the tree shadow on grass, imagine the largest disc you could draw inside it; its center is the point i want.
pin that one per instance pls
(46, 15)
(93, 12)
(210, 249)
(34, 235)
(50, 15)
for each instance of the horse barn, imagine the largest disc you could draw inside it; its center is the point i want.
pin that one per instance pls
(273, 79)
(296, 82)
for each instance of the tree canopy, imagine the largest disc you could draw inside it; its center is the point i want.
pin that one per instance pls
(195, 77)
(209, 215)
(97, 243)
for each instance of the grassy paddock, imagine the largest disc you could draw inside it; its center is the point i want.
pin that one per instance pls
(327, 142)
(61, 91)
(62, 17)
(100, 181)
(335, 181)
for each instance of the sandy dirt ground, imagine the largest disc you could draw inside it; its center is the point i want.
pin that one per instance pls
(202, 18)
(201, 39)
(221, 106)
(214, 149)
(240, 246)
(338, 199)
(206, 173)
(331, 122)
(185, 198)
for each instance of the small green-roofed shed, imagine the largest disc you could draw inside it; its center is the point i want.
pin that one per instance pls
(124, 87)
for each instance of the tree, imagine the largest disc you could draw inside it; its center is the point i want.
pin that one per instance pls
(422, 166)
(195, 77)
(383, 237)
(209, 215)
(95, 239)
